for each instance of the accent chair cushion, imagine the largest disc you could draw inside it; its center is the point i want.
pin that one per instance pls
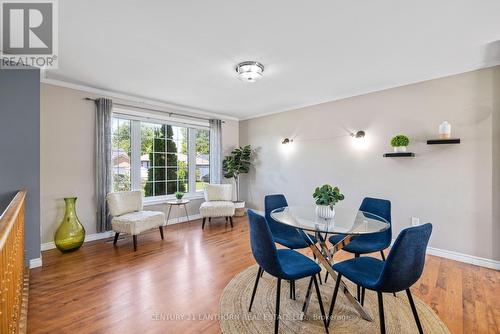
(217, 209)
(218, 192)
(123, 202)
(137, 222)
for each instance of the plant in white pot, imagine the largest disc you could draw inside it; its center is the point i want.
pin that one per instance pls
(399, 143)
(238, 162)
(326, 197)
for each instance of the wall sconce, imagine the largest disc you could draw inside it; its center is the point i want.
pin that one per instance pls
(359, 134)
(287, 141)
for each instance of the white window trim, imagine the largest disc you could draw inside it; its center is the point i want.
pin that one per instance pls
(136, 117)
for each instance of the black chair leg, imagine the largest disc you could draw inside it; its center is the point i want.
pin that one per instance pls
(135, 242)
(294, 296)
(381, 312)
(203, 224)
(115, 240)
(334, 298)
(226, 219)
(308, 292)
(209, 219)
(318, 294)
(363, 296)
(277, 315)
(259, 273)
(262, 273)
(358, 288)
(231, 220)
(326, 276)
(161, 232)
(291, 289)
(414, 310)
(319, 278)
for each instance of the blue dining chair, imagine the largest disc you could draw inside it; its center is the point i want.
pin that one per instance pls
(284, 264)
(399, 272)
(371, 243)
(285, 235)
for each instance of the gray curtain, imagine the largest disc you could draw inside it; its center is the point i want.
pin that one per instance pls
(215, 151)
(103, 161)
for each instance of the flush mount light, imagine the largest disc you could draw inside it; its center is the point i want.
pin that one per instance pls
(249, 71)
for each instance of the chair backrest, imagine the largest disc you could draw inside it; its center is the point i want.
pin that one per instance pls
(381, 208)
(406, 260)
(218, 192)
(272, 202)
(122, 202)
(263, 248)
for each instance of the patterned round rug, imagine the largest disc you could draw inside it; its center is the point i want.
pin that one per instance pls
(235, 318)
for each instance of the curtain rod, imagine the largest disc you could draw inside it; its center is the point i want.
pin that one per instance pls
(152, 109)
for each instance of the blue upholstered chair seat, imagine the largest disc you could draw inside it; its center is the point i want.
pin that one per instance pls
(364, 271)
(295, 265)
(360, 244)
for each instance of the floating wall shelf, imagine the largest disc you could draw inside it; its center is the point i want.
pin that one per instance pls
(443, 141)
(400, 154)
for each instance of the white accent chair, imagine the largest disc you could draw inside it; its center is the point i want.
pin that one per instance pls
(129, 217)
(218, 203)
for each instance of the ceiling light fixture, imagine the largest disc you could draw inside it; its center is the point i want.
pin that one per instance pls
(249, 71)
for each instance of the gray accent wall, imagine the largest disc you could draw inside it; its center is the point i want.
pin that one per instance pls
(455, 187)
(20, 147)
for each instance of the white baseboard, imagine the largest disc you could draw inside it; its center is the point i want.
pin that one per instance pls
(476, 260)
(34, 263)
(109, 234)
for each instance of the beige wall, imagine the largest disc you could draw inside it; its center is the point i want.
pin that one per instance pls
(67, 157)
(450, 185)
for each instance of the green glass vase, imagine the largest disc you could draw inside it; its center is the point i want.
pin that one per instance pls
(71, 233)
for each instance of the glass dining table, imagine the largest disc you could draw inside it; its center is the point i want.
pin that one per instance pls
(350, 223)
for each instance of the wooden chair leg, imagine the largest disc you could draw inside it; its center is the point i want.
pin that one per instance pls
(115, 240)
(259, 275)
(231, 220)
(203, 224)
(277, 315)
(414, 310)
(334, 298)
(318, 294)
(161, 232)
(381, 312)
(135, 242)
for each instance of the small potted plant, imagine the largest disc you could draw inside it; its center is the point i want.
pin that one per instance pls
(179, 195)
(399, 143)
(326, 197)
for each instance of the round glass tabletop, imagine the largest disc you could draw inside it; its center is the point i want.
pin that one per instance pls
(345, 221)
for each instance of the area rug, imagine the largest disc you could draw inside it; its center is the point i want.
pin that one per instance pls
(234, 317)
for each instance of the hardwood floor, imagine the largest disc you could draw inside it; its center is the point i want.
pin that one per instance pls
(106, 289)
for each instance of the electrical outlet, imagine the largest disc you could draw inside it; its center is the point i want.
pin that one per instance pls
(415, 221)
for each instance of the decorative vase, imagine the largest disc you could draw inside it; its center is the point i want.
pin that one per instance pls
(324, 211)
(445, 130)
(70, 234)
(399, 149)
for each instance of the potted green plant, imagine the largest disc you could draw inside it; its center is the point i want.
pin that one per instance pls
(326, 197)
(233, 165)
(399, 143)
(179, 195)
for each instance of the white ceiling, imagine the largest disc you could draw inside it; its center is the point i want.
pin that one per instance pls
(184, 52)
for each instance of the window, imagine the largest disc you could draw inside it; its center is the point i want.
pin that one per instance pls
(159, 158)
(120, 154)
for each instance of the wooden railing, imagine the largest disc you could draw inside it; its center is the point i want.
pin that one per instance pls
(12, 266)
